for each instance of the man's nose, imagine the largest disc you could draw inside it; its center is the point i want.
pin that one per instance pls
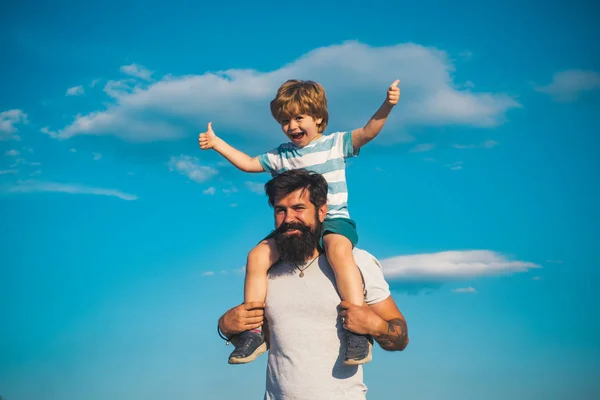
(289, 217)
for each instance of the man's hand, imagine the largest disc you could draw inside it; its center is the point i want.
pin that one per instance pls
(393, 93)
(359, 319)
(242, 318)
(207, 139)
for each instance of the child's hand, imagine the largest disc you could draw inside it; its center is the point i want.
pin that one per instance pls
(393, 93)
(206, 140)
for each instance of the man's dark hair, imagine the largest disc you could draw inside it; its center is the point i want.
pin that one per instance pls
(292, 180)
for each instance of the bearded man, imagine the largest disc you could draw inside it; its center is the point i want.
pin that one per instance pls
(305, 318)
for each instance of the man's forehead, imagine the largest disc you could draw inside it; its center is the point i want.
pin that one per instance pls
(297, 196)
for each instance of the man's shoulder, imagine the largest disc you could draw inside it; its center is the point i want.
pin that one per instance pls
(364, 257)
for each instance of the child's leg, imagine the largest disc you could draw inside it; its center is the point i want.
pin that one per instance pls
(347, 275)
(251, 343)
(260, 259)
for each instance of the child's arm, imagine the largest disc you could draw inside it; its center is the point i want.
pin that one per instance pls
(208, 140)
(362, 136)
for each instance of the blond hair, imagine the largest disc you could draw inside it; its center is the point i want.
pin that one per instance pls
(296, 97)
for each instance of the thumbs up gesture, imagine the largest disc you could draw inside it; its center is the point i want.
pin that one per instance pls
(207, 139)
(393, 93)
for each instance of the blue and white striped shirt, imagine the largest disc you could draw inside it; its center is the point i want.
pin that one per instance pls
(327, 155)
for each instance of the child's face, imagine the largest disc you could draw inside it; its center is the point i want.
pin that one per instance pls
(301, 129)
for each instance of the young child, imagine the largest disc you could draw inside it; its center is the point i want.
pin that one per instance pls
(300, 107)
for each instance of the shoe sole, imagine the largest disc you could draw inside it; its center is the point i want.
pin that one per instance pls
(259, 350)
(365, 360)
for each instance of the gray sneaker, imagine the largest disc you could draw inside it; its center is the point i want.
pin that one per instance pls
(358, 349)
(249, 346)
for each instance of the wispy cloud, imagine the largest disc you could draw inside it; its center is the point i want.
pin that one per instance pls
(75, 91)
(208, 273)
(488, 144)
(537, 278)
(31, 186)
(567, 86)
(12, 153)
(97, 156)
(190, 167)
(455, 166)
(465, 290)
(210, 191)
(255, 187)
(8, 171)
(554, 261)
(422, 147)
(452, 265)
(466, 54)
(354, 74)
(137, 71)
(8, 121)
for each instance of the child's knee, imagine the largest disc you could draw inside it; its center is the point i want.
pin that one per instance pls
(338, 247)
(260, 257)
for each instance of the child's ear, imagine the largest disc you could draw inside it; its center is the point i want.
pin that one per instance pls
(319, 120)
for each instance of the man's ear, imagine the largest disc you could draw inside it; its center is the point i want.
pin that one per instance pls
(322, 212)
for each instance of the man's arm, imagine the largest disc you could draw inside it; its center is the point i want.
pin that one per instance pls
(209, 140)
(382, 320)
(364, 135)
(242, 318)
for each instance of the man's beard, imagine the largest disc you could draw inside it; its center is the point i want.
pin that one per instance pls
(297, 247)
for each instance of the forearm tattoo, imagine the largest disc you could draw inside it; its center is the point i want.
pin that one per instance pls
(396, 337)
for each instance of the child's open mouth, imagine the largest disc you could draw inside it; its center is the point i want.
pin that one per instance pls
(296, 136)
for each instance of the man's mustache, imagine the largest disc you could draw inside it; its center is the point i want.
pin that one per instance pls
(285, 227)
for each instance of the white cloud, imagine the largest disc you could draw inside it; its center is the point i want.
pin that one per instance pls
(75, 91)
(34, 173)
(233, 205)
(466, 54)
(12, 153)
(355, 77)
(97, 156)
(73, 150)
(190, 167)
(8, 120)
(255, 187)
(8, 171)
(452, 265)
(422, 147)
(137, 71)
(567, 85)
(208, 273)
(230, 190)
(465, 290)
(488, 144)
(429, 159)
(31, 186)
(210, 191)
(455, 166)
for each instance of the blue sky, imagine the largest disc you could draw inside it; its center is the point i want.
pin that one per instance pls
(122, 242)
